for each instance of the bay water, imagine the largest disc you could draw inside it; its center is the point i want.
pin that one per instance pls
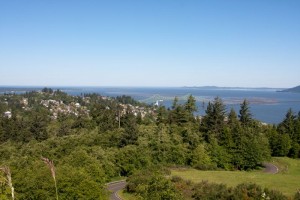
(266, 104)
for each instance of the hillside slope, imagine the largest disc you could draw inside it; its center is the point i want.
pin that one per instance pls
(294, 89)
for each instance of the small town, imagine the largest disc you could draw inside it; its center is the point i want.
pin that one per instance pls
(74, 108)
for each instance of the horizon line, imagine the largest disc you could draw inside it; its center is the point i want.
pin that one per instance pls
(118, 86)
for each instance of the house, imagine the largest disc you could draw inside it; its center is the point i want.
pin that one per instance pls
(24, 101)
(7, 114)
(77, 105)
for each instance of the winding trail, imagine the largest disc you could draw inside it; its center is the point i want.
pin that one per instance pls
(115, 187)
(270, 168)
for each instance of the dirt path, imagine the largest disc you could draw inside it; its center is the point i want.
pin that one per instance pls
(115, 187)
(270, 168)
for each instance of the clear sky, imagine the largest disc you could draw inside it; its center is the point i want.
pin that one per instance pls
(247, 43)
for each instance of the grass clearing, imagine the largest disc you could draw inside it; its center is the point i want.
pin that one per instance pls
(126, 196)
(118, 178)
(287, 180)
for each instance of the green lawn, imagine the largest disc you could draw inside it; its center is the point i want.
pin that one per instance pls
(126, 196)
(287, 180)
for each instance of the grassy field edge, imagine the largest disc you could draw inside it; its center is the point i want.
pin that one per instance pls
(286, 181)
(126, 196)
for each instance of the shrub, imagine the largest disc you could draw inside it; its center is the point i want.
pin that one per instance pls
(210, 191)
(247, 191)
(152, 184)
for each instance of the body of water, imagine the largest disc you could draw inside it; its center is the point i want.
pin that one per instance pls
(267, 105)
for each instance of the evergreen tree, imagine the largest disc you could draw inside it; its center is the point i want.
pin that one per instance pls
(219, 154)
(245, 114)
(207, 120)
(280, 143)
(175, 103)
(297, 129)
(215, 114)
(288, 138)
(191, 136)
(287, 125)
(105, 117)
(191, 107)
(130, 135)
(232, 119)
(200, 158)
(219, 111)
(178, 115)
(38, 125)
(161, 115)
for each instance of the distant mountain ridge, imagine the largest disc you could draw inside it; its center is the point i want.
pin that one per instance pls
(294, 89)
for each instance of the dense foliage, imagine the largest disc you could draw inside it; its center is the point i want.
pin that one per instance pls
(91, 139)
(152, 184)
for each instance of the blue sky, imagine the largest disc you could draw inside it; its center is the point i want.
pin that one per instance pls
(150, 43)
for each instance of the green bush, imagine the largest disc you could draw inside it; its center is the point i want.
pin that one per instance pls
(210, 191)
(152, 184)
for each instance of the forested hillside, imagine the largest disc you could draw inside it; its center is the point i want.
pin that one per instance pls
(88, 140)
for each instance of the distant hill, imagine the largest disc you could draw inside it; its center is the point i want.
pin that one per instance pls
(294, 89)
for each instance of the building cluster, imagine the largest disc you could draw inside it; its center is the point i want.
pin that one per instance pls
(59, 107)
(8, 113)
(136, 110)
(24, 103)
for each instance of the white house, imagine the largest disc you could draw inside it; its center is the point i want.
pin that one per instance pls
(7, 114)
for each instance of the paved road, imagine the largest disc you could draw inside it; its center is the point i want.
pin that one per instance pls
(114, 187)
(270, 168)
